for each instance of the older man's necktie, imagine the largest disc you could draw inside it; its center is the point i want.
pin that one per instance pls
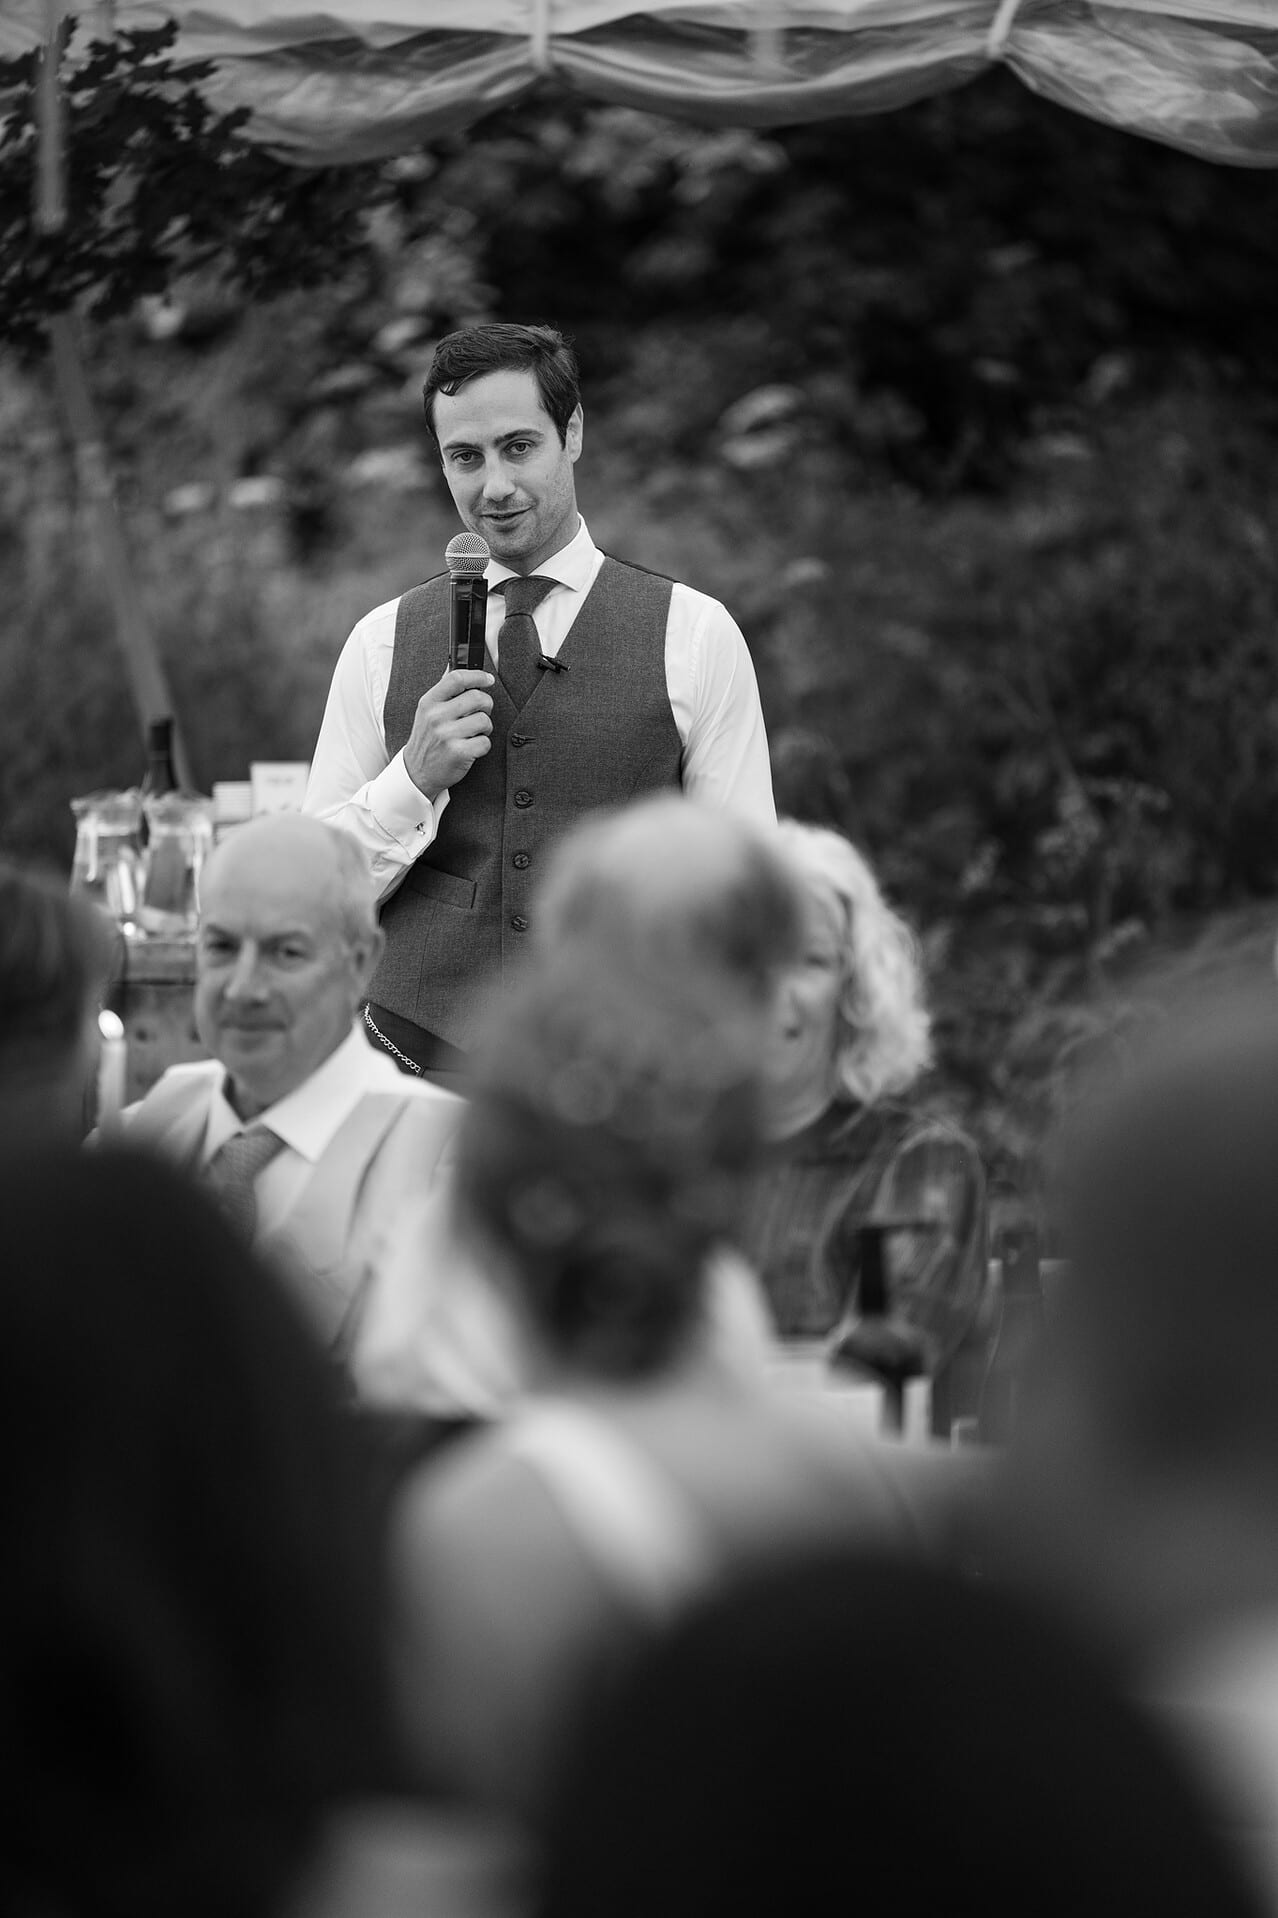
(518, 641)
(233, 1170)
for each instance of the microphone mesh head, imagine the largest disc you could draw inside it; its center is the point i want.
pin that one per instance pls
(466, 555)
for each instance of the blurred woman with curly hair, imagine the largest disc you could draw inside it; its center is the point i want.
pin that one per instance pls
(849, 1145)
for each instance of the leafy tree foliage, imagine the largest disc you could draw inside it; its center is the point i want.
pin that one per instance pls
(943, 281)
(158, 184)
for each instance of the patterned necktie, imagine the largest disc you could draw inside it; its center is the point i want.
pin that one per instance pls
(518, 641)
(233, 1169)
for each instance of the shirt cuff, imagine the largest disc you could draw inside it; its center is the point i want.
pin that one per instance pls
(402, 810)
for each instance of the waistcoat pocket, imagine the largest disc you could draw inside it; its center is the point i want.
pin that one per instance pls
(447, 887)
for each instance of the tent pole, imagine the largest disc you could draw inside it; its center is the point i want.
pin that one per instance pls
(767, 42)
(1000, 28)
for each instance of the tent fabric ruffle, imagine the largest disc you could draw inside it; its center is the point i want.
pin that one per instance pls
(365, 79)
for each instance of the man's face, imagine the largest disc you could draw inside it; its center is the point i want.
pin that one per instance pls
(510, 477)
(278, 981)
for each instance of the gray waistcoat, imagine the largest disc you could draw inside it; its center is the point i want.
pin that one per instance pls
(596, 735)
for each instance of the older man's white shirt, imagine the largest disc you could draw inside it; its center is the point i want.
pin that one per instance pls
(308, 1119)
(360, 1141)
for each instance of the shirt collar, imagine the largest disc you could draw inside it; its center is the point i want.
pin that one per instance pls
(573, 565)
(308, 1117)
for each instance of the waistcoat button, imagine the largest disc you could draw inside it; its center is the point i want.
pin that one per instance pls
(519, 923)
(520, 739)
(523, 798)
(521, 860)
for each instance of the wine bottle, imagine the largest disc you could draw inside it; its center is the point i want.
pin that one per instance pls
(166, 881)
(1020, 1329)
(159, 776)
(873, 1338)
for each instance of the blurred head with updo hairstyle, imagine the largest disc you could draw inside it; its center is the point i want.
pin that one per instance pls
(601, 1159)
(615, 1108)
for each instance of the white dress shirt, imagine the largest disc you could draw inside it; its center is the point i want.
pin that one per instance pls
(307, 1119)
(710, 679)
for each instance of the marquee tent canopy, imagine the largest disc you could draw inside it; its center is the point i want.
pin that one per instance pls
(332, 81)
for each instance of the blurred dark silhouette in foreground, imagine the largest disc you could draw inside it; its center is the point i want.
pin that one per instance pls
(191, 1608)
(1143, 1484)
(851, 1733)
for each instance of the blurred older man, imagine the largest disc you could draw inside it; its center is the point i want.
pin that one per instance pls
(1143, 1490)
(313, 1138)
(664, 890)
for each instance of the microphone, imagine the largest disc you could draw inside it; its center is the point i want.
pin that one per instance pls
(466, 556)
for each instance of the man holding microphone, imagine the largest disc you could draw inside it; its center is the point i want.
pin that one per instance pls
(610, 682)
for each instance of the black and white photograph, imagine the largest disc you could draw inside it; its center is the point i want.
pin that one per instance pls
(639, 958)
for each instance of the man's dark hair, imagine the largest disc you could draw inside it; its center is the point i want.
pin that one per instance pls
(500, 348)
(55, 954)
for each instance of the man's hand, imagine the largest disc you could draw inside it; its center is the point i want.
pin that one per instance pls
(451, 731)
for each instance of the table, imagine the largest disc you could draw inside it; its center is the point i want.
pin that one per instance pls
(802, 1366)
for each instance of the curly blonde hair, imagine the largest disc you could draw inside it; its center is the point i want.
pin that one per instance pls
(884, 1041)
